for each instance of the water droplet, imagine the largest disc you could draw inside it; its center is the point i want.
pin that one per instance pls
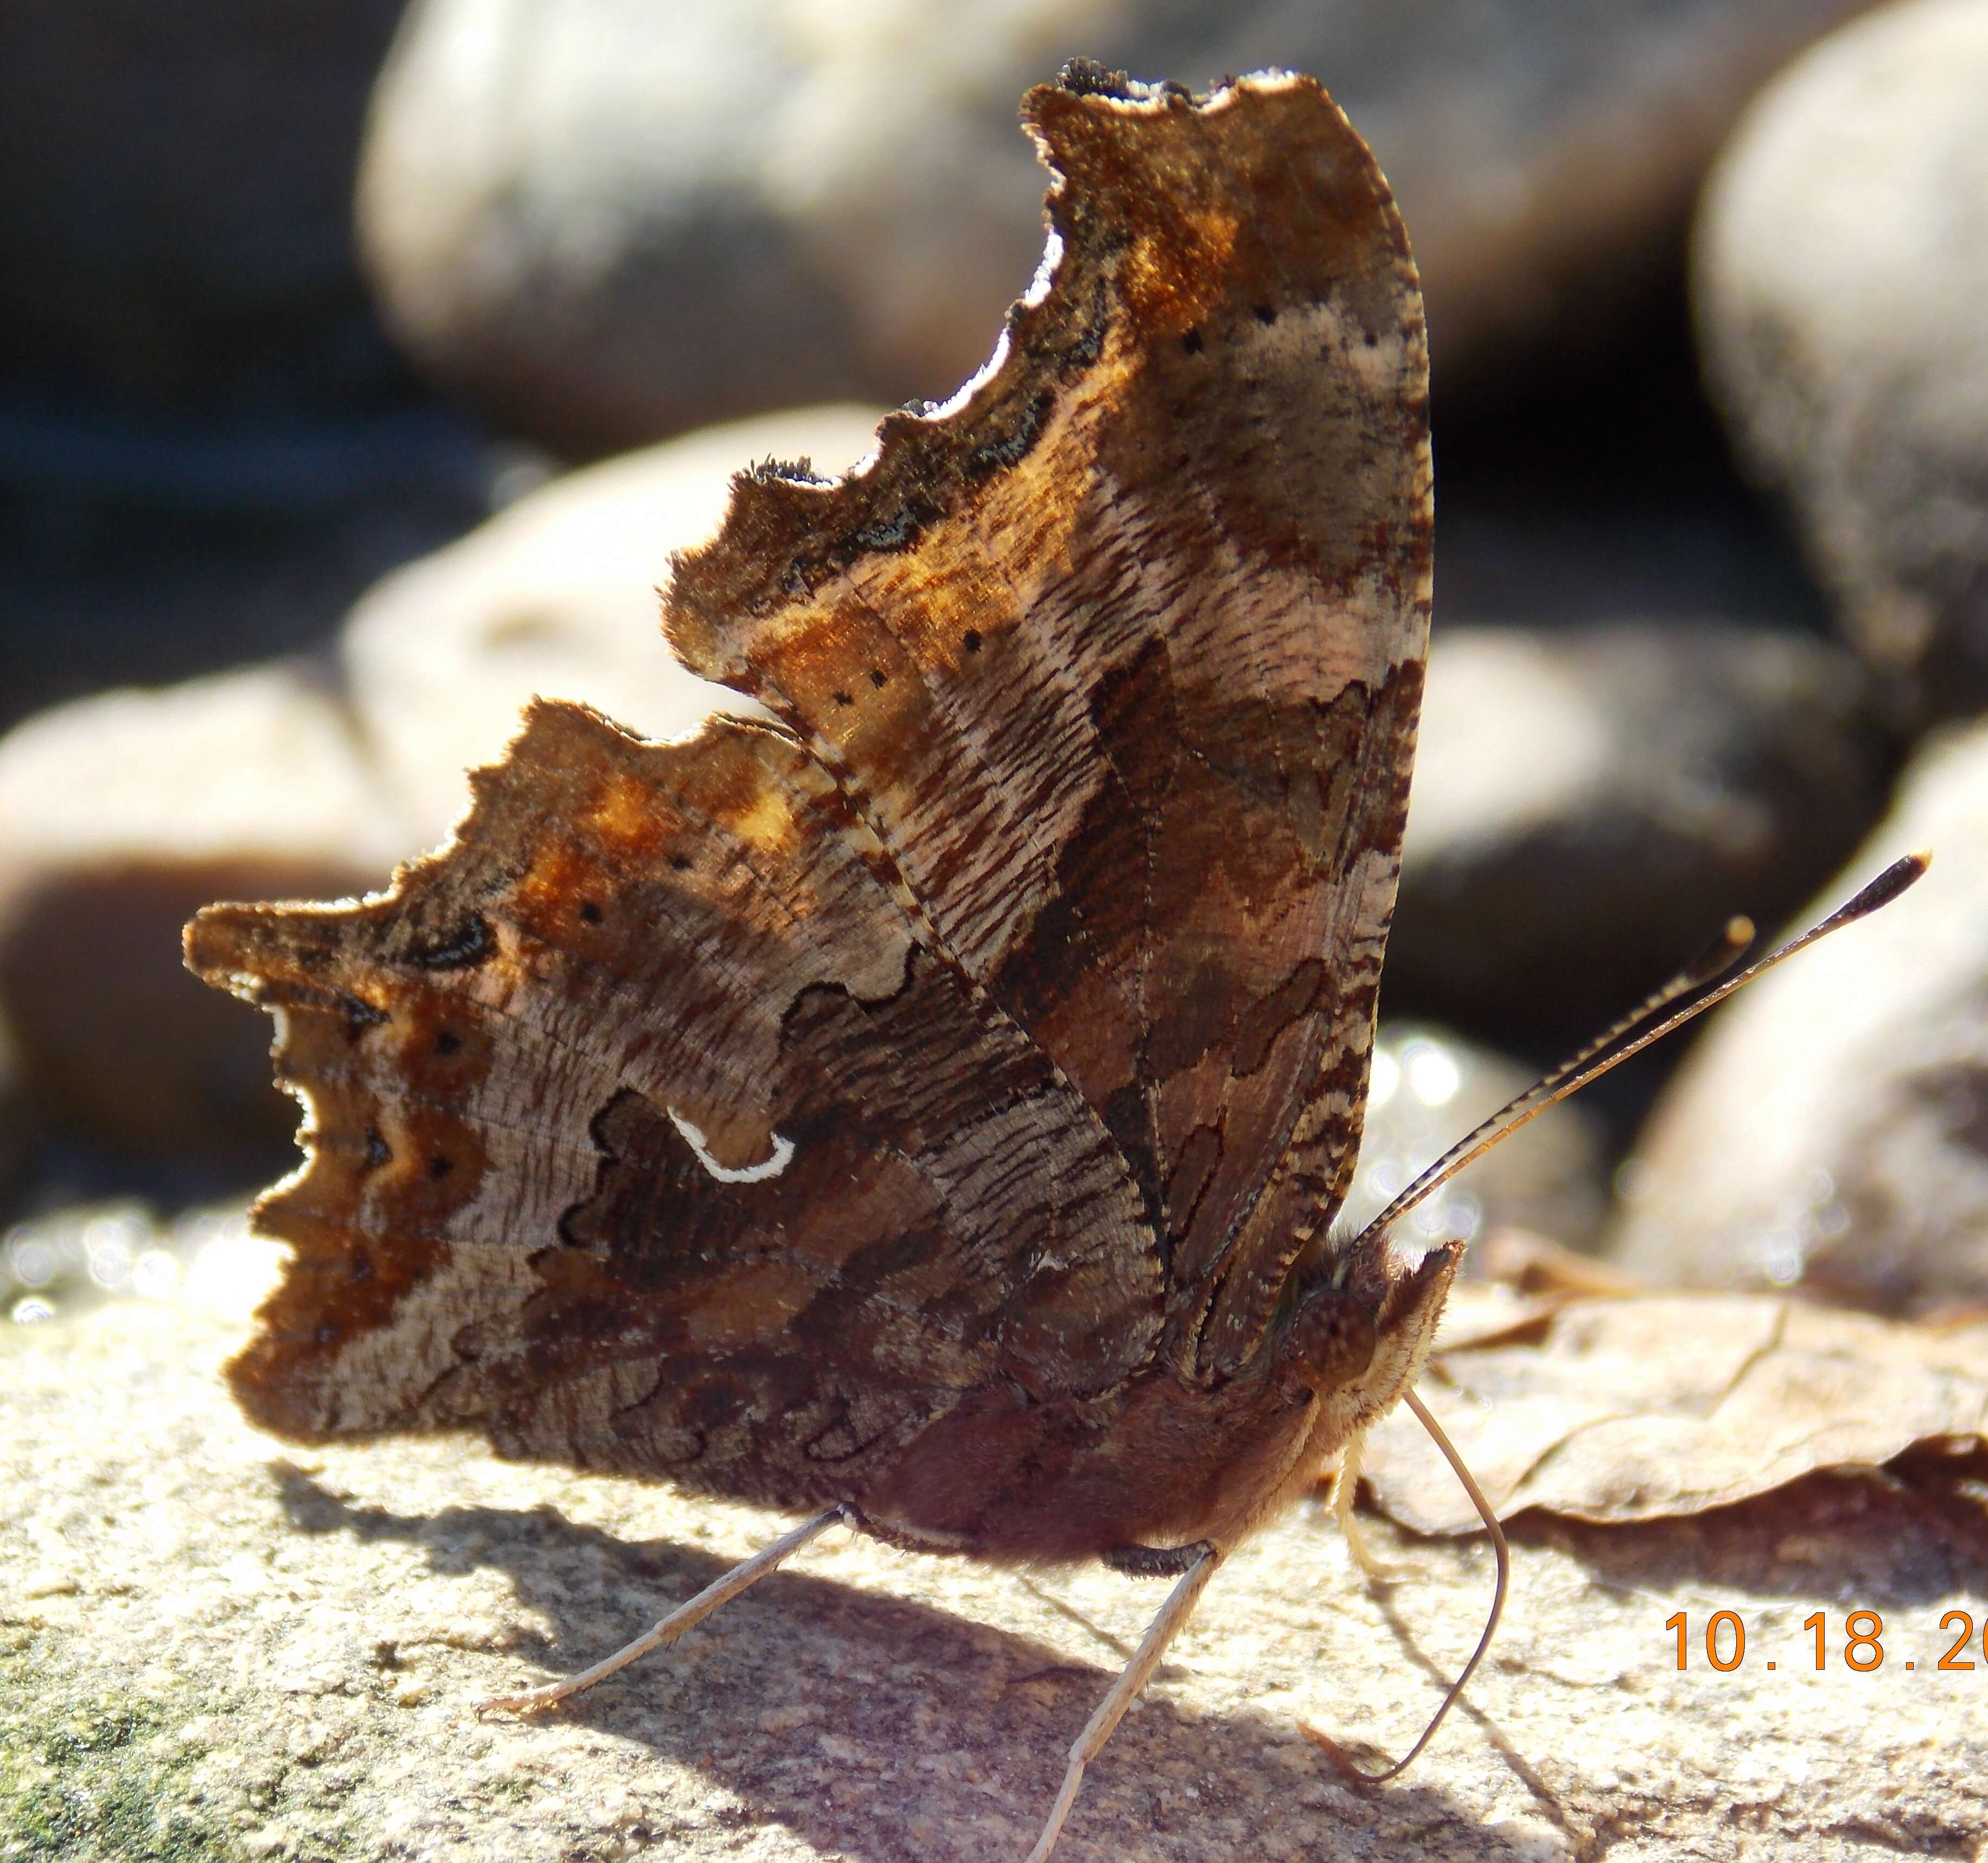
(110, 1264)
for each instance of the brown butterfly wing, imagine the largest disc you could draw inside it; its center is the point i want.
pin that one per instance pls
(645, 1132)
(1120, 655)
(730, 1109)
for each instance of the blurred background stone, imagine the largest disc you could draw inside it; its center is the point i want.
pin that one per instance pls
(558, 595)
(208, 448)
(142, 550)
(604, 222)
(1842, 285)
(1429, 1088)
(19, 1121)
(120, 815)
(1591, 806)
(1832, 1131)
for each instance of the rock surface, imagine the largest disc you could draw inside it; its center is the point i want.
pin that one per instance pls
(213, 1644)
(607, 221)
(1831, 1130)
(1590, 804)
(1842, 282)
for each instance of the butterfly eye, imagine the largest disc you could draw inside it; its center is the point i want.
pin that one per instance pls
(1331, 1337)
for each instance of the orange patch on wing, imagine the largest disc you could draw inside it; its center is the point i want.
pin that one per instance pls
(624, 816)
(542, 898)
(1169, 295)
(767, 821)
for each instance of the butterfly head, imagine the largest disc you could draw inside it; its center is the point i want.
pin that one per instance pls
(1357, 1338)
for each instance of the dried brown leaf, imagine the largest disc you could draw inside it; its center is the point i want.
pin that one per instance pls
(1669, 1404)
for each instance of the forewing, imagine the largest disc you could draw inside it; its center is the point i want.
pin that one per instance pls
(649, 1129)
(1120, 653)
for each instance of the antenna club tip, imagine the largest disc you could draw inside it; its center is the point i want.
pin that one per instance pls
(1739, 930)
(1902, 873)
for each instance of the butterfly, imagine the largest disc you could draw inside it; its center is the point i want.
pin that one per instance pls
(924, 1106)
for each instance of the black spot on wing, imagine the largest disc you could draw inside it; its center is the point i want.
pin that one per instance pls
(462, 948)
(359, 1014)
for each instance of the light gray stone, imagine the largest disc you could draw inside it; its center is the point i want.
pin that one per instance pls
(1831, 1130)
(212, 1643)
(1842, 287)
(607, 221)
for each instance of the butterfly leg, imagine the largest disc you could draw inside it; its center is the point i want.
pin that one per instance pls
(1155, 1561)
(1202, 1560)
(694, 1611)
(904, 1539)
(1376, 1571)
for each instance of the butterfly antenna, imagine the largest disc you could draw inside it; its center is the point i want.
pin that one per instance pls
(1635, 1032)
(1503, 1553)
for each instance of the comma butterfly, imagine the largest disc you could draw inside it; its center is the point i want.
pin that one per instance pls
(928, 1111)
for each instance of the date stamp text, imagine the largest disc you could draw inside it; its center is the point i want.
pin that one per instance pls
(1856, 1642)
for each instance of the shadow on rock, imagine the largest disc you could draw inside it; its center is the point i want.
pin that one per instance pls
(879, 1728)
